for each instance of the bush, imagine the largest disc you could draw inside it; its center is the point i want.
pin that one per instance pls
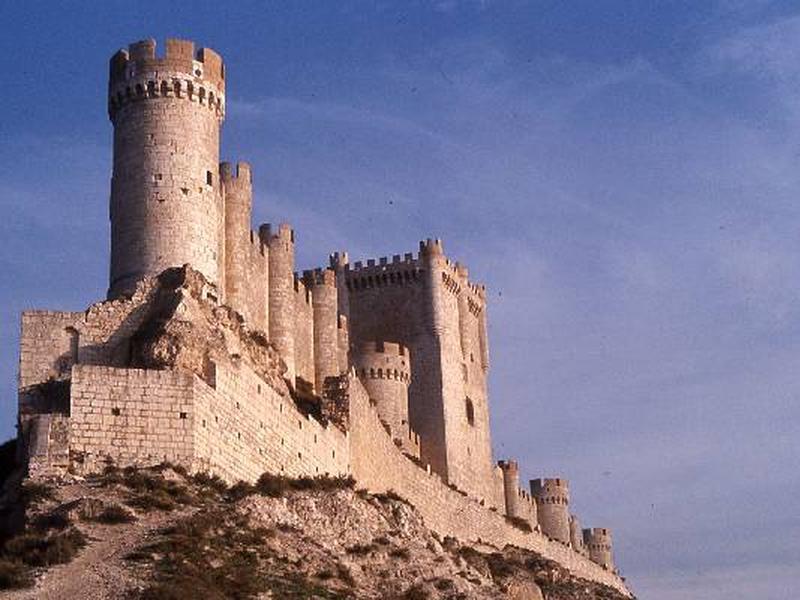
(33, 492)
(276, 486)
(360, 549)
(520, 523)
(115, 515)
(39, 550)
(400, 553)
(158, 500)
(14, 575)
(210, 481)
(240, 490)
(54, 520)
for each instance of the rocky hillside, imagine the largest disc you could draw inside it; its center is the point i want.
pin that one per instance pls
(161, 534)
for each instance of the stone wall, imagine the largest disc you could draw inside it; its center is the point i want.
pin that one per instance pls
(132, 416)
(378, 466)
(245, 428)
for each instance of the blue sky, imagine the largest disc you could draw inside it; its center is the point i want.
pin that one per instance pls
(622, 175)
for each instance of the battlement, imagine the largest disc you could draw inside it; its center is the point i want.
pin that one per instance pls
(508, 465)
(382, 360)
(284, 232)
(339, 260)
(236, 175)
(138, 74)
(314, 277)
(431, 247)
(549, 491)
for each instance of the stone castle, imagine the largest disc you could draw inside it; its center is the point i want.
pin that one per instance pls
(212, 352)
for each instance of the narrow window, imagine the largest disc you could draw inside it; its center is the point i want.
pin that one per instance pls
(209, 178)
(470, 412)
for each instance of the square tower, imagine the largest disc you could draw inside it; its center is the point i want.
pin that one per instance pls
(428, 304)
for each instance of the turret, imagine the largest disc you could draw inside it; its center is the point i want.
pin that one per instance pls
(575, 534)
(324, 302)
(552, 503)
(598, 544)
(166, 205)
(237, 191)
(281, 295)
(385, 370)
(510, 470)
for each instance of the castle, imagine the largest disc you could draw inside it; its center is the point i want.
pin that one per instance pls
(211, 352)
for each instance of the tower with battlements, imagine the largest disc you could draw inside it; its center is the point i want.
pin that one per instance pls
(166, 204)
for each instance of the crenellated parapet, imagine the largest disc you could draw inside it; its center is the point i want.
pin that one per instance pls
(137, 75)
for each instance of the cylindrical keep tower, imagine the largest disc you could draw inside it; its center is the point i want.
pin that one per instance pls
(166, 207)
(510, 470)
(237, 190)
(552, 504)
(385, 370)
(281, 295)
(598, 544)
(324, 302)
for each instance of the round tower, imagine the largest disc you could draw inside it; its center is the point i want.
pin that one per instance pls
(385, 370)
(237, 190)
(324, 302)
(598, 544)
(166, 207)
(281, 294)
(575, 534)
(552, 504)
(510, 470)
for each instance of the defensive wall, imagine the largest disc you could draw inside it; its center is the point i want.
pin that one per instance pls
(379, 466)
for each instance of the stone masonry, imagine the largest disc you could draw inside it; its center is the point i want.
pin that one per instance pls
(212, 352)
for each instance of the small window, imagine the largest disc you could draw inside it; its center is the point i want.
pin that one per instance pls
(470, 412)
(115, 411)
(209, 178)
(183, 415)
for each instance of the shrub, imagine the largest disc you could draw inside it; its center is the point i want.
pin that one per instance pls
(240, 490)
(400, 553)
(33, 492)
(360, 549)
(14, 574)
(276, 486)
(40, 550)
(210, 481)
(520, 523)
(158, 500)
(53, 520)
(115, 515)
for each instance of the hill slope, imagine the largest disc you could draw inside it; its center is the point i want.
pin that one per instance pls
(163, 534)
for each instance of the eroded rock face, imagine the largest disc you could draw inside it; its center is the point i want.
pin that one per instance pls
(186, 329)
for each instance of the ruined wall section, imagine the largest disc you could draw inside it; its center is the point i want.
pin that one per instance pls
(166, 204)
(378, 465)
